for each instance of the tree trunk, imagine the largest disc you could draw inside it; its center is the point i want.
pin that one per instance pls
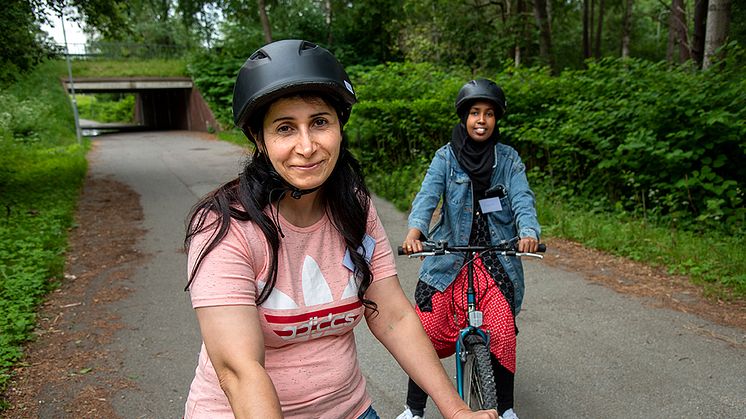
(520, 31)
(677, 33)
(591, 26)
(718, 21)
(586, 37)
(698, 38)
(599, 30)
(265, 21)
(627, 27)
(545, 33)
(328, 9)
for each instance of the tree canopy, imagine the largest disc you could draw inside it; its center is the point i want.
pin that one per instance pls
(479, 34)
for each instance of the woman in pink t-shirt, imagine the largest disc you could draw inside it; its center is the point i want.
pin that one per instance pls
(286, 259)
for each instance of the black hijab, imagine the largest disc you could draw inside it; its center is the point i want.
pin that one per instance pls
(476, 157)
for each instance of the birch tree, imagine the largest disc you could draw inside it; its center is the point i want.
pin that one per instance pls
(627, 27)
(718, 22)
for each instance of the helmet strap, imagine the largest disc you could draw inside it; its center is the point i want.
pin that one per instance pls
(285, 186)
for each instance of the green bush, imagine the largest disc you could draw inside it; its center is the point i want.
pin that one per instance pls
(405, 113)
(215, 77)
(628, 156)
(41, 170)
(641, 137)
(107, 107)
(663, 143)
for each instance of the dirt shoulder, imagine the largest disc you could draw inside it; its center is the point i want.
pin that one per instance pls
(634, 278)
(67, 372)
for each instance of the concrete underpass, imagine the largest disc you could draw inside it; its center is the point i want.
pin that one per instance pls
(161, 103)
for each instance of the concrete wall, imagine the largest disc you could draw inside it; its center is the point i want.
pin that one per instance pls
(168, 103)
(174, 109)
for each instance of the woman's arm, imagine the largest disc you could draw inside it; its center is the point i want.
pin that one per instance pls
(432, 188)
(523, 203)
(398, 328)
(235, 345)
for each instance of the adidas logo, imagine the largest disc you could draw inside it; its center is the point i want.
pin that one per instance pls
(316, 292)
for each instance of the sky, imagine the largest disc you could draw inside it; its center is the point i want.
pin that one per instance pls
(74, 34)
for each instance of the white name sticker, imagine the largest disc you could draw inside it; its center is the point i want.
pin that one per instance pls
(369, 245)
(489, 205)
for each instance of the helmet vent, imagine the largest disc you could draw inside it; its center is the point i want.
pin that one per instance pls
(307, 45)
(258, 55)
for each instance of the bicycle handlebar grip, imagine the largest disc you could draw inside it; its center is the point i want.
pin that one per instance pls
(542, 248)
(400, 251)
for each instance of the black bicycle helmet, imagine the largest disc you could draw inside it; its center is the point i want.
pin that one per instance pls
(289, 66)
(480, 89)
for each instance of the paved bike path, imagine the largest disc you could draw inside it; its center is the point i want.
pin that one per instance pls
(584, 350)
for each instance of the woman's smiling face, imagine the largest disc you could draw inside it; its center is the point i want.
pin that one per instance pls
(480, 123)
(302, 138)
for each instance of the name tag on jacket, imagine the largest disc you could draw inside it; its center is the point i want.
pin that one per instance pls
(489, 205)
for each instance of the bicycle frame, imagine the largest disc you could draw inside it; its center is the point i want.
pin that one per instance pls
(474, 319)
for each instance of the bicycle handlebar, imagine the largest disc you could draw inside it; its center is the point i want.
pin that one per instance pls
(431, 248)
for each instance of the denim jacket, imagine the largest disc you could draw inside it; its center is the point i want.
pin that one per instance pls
(447, 180)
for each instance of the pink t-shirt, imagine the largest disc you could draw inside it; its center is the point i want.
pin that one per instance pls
(307, 321)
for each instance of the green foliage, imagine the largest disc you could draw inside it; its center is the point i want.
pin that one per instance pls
(41, 170)
(627, 140)
(215, 77)
(27, 107)
(666, 143)
(107, 107)
(404, 114)
(461, 33)
(22, 44)
(365, 31)
(681, 252)
(129, 68)
(629, 135)
(237, 137)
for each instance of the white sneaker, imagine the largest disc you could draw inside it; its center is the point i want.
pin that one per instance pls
(509, 414)
(407, 414)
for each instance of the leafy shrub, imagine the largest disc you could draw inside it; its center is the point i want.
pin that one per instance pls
(623, 135)
(215, 77)
(41, 170)
(404, 114)
(107, 107)
(637, 136)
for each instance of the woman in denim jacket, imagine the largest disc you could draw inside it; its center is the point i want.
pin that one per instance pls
(486, 199)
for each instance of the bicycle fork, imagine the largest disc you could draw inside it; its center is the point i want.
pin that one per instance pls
(474, 321)
(461, 353)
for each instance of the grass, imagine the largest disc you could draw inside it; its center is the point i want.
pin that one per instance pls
(234, 136)
(129, 68)
(711, 260)
(42, 167)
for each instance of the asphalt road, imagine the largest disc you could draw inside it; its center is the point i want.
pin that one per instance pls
(584, 351)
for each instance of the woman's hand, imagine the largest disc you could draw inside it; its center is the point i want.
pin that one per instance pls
(528, 245)
(412, 243)
(481, 414)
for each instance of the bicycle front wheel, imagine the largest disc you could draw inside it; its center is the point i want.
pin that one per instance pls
(479, 381)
